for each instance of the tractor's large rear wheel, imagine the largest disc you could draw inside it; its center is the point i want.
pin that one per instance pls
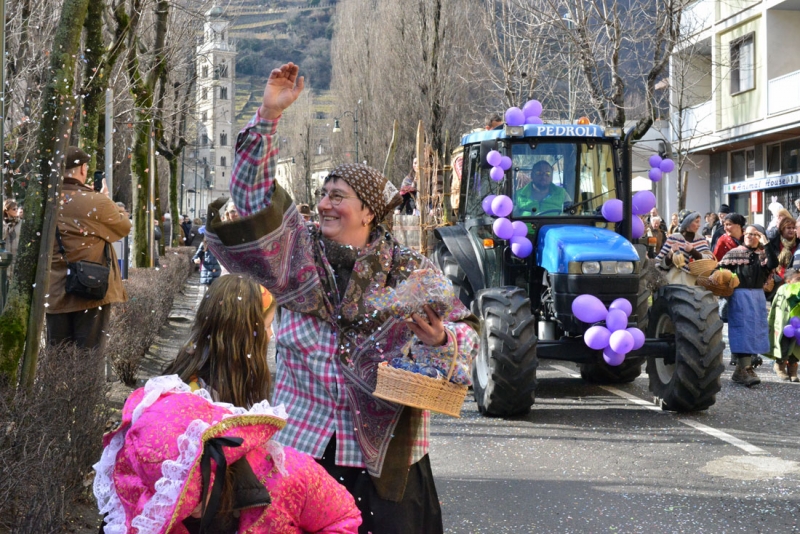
(504, 373)
(690, 381)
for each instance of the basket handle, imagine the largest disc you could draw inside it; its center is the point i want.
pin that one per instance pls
(452, 337)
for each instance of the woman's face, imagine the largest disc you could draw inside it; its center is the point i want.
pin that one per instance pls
(751, 237)
(345, 222)
(788, 233)
(694, 226)
(12, 212)
(733, 230)
(674, 219)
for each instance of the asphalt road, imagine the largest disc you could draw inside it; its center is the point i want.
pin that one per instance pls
(606, 459)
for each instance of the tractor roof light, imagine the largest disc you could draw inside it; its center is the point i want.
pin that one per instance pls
(584, 120)
(613, 132)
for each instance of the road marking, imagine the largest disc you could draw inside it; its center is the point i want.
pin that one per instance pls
(713, 432)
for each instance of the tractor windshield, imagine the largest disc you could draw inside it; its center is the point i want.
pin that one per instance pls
(552, 178)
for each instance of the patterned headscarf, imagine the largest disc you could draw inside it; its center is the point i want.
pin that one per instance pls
(372, 187)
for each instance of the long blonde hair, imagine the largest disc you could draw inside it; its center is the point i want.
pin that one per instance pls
(228, 343)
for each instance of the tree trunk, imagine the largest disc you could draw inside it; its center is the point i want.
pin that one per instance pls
(143, 92)
(173, 202)
(22, 319)
(93, 97)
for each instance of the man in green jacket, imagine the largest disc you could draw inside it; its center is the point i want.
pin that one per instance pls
(540, 195)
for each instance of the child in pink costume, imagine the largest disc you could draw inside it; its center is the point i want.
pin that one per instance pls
(181, 463)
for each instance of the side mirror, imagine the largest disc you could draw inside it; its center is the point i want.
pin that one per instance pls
(486, 147)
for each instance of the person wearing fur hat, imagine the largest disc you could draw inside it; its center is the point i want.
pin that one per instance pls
(181, 463)
(330, 338)
(748, 331)
(683, 247)
(733, 224)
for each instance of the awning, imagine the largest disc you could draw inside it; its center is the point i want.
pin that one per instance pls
(641, 183)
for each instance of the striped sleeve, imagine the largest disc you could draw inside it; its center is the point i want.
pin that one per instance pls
(252, 179)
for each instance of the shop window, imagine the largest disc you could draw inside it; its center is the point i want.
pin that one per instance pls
(743, 165)
(743, 64)
(790, 150)
(774, 159)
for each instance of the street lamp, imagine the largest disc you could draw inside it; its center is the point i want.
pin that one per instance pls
(354, 115)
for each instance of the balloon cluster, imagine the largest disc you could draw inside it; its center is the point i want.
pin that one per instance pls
(517, 232)
(500, 164)
(615, 339)
(643, 202)
(659, 166)
(793, 328)
(501, 206)
(529, 114)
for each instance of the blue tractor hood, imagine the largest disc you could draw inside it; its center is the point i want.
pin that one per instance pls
(557, 245)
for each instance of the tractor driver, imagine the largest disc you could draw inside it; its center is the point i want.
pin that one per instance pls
(537, 194)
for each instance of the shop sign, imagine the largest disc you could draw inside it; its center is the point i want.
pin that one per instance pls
(761, 183)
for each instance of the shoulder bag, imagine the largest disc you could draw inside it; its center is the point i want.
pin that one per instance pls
(86, 279)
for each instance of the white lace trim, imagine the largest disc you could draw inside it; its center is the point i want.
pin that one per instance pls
(173, 472)
(104, 491)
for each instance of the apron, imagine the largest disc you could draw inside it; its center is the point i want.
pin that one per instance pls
(748, 330)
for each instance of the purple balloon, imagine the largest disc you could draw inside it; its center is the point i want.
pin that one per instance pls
(612, 210)
(655, 175)
(789, 331)
(515, 117)
(613, 358)
(667, 165)
(637, 227)
(638, 337)
(616, 320)
(655, 161)
(521, 246)
(643, 202)
(532, 108)
(497, 174)
(622, 304)
(502, 206)
(505, 163)
(589, 309)
(486, 204)
(520, 229)
(493, 158)
(795, 322)
(502, 228)
(621, 341)
(597, 337)
(534, 120)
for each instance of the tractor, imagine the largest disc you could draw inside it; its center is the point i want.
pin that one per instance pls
(525, 304)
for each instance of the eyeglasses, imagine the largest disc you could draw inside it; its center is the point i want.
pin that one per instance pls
(334, 196)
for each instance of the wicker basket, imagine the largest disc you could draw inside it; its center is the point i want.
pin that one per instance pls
(718, 289)
(702, 267)
(418, 391)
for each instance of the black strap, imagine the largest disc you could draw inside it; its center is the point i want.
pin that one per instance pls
(64, 252)
(213, 450)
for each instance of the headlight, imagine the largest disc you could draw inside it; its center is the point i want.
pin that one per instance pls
(624, 267)
(590, 267)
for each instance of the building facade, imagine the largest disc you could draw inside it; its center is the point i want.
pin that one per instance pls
(735, 93)
(209, 172)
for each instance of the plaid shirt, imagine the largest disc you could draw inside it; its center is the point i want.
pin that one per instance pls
(309, 380)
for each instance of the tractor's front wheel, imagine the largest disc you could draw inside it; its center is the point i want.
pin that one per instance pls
(444, 259)
(504, 372)
(691, 379)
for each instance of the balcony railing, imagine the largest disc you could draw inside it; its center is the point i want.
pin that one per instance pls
(783, 93)
(697, 120)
